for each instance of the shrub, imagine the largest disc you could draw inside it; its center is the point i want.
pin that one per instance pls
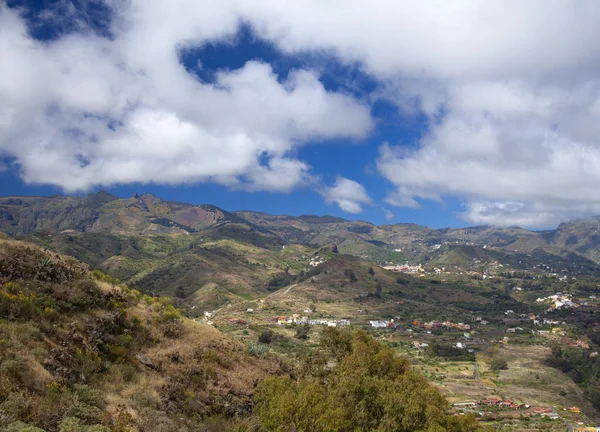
(21, 427)
(258, 349)
(15, 406)
(266, 336)
(88, 414)
(88, 395)
(302, 332)
(498, 364)
(72, 424)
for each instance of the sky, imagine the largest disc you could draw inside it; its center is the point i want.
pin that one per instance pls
(471, 112)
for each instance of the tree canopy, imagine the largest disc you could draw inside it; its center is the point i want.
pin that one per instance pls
(370, 389)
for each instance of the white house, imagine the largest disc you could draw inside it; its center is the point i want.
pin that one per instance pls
(379, 324)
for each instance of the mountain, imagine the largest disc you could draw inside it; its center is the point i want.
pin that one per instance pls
(206, 256)
(104, 213)
(574, 245)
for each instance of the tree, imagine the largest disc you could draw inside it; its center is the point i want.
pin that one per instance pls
(371, 271)
(180, 292)
(350, 275)
(371, 389)
(302, 331)
(337, 342)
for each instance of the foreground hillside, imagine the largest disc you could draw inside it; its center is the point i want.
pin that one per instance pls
(80, 353)
(77, 351)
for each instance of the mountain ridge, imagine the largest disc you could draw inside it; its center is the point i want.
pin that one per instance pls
(147, 214)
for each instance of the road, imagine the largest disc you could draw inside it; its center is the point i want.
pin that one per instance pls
(289, 288)
(476, 372)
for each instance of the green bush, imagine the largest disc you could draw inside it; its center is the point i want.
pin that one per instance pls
(266, 336)
(19, 426)
(258, 349)
(497, 364)
(302, 331)
(89, 395)
(370, 389)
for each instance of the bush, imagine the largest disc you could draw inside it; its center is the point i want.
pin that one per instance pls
(498, 364)
(266, 336)
(71, 424)
(302, 332)
(21, 427)
(88, 414)
(88, 395)
(350, 275)
(258, 349)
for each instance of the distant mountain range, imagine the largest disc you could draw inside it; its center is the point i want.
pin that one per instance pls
(149, 215)
(207, 256)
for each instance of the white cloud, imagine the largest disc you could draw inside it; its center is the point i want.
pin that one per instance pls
(388, 214)
(349, 195)
(83, 110)
(510, 90)
(516, 213)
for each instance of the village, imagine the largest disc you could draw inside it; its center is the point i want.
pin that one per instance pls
(457, 351)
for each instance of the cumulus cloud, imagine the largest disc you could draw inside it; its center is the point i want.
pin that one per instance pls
(85, 110)
(388, 214)
(349, 195)
(510, 91)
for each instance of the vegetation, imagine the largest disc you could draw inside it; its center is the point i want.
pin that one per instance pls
(371, 389)
(79, 353)
(266, 336)
(437, 349)
(497, 364)
(582, 367)
(302, 331)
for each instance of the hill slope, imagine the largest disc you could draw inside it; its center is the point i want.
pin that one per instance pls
(79, 353)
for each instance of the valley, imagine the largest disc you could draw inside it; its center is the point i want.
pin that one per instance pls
(503, 322)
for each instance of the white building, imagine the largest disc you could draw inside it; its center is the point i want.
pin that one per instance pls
(379, 324)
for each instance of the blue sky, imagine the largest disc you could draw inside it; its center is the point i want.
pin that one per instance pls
(352, 159)
(386, 113)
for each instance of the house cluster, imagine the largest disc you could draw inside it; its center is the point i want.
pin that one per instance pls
(558, 301)
(418, 344)
(382, 324)
(405, 268)
(507, 403)
(237, 321)
(330, 323)
(297, 319)
(294, 319)
(316, 261)
(437, 325)
(545, 321)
